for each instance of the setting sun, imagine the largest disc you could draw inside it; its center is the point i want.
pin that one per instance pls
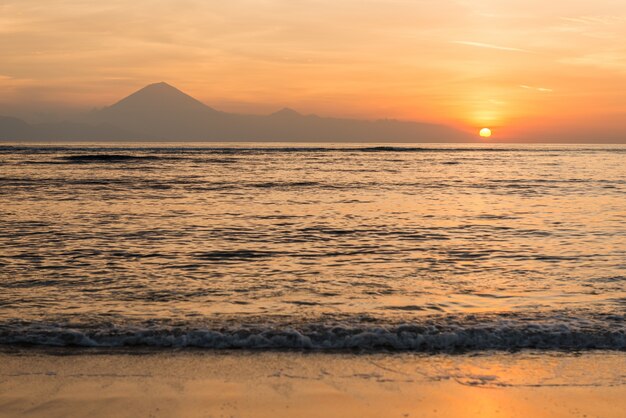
(485, 132)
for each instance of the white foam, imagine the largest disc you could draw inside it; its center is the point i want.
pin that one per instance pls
(444, 336)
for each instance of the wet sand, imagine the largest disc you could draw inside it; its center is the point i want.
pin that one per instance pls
(287, 384)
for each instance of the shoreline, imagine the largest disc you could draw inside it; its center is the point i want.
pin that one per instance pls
(197, 383)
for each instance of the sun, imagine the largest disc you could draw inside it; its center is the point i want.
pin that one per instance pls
(485, 132)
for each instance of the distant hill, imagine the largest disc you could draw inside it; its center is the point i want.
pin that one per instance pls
(160, 112)
(13, 129)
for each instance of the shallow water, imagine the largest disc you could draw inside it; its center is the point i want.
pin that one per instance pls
(272, 246)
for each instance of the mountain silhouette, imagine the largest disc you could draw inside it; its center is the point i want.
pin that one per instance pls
(286, 113)
(158, 111)
(161, 112)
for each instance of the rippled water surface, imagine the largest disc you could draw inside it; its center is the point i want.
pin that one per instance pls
(423, 247)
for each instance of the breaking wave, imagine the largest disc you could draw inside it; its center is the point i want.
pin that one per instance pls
(435, 335)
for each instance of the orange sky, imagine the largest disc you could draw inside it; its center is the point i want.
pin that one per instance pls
(526, 68)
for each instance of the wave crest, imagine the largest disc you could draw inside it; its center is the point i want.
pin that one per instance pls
(504, 335)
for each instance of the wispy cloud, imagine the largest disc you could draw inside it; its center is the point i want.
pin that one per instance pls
(541, 89)
(489, 46)
(595, 20)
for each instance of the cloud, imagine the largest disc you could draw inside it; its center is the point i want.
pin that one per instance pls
(489, 46)
(595, 20)
(541, 89)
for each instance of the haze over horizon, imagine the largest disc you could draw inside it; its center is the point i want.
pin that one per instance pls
(161, 112)
(530, 71)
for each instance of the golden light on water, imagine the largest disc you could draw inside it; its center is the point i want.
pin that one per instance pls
(485, 132)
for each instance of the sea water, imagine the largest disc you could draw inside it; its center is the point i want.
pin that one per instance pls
(282, 246)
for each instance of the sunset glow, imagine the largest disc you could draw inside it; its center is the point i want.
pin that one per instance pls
(561, 68)
(485, 132)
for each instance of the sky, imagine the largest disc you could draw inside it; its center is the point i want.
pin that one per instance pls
(531, 69)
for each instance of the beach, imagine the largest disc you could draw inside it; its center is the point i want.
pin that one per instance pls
(139, 383)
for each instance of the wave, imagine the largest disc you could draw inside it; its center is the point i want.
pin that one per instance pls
(428, 336)
(107, 158)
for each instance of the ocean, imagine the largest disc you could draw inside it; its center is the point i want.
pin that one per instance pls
(359, 248)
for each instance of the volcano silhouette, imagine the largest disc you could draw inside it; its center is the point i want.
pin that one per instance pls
(161, 112)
